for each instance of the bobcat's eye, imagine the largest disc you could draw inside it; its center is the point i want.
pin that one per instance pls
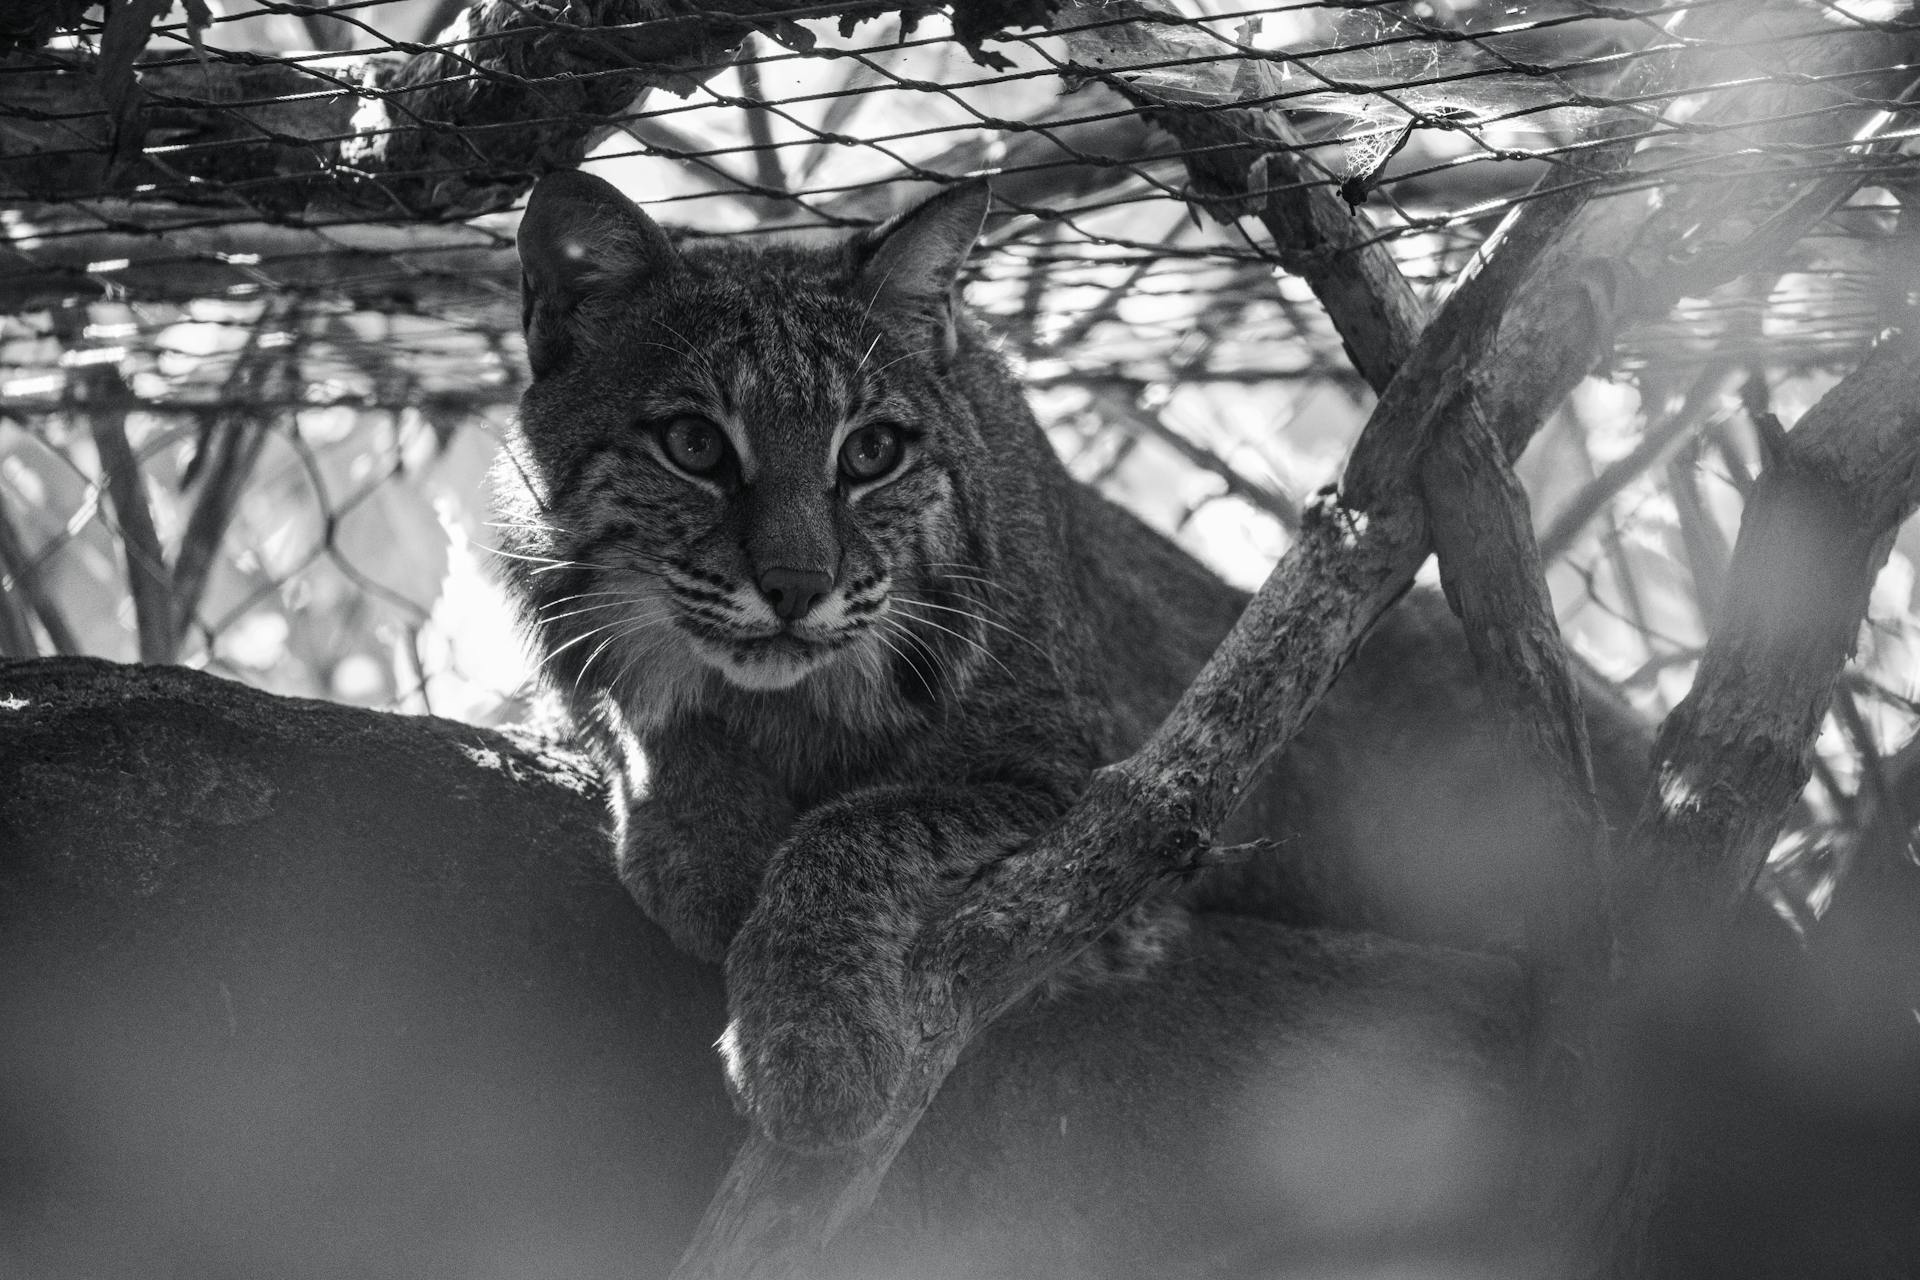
(870, 452)
(694, 445)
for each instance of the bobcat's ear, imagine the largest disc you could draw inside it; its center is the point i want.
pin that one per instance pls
(579, 238)
(911, 264)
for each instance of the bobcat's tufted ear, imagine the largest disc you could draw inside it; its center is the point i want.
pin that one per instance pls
(579, 239)
(911, 264)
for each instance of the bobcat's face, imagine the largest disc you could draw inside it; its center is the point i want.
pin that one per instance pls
(744, 470)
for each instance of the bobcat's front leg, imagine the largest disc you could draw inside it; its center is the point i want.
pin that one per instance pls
(694, 840)
(819, 1035)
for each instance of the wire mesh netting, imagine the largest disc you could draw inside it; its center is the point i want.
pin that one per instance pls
(260, 302)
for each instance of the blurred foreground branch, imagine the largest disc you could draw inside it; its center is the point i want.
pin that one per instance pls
(1736, 752)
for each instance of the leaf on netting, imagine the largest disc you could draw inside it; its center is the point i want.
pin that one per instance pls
(791, 34)
(909, 14)
(1179, 60)
(976, 21)
(129, 27)
(199, 18)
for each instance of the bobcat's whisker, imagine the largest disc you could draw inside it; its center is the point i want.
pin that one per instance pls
(879, 634)
(963, 638)
(870, 346)
(984, 621)
(590, 608)
(585, 635)
(917, 351)
(942, 670)
(641, 625)
(548, 561)
(946, 567)
(535, 526)
(974, 600)
(588, 595)
(553, 562)
(688, 350)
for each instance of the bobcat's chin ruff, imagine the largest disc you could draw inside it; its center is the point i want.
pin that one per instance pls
(762, 664)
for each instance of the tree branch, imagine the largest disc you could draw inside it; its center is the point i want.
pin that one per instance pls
(1735, 754)
(1122, 407)
(1253, 161)
(107, 398)
(23, 575)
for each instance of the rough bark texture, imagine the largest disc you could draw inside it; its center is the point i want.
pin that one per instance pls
(301, 990)
(1736, 753)
(1253, 162)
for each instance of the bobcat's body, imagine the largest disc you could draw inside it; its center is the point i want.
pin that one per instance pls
(825, 700)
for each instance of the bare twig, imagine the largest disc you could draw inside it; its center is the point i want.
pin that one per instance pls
(229, 447)
(107, 399)
(1700, 536)
(23, 573)
(1568, 523)
(768, 172)
(1117, 406)
(16, 629)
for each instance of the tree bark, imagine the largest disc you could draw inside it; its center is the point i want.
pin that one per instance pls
(1737, 751)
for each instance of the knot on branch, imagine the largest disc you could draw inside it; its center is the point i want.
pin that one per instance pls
(1154, 816)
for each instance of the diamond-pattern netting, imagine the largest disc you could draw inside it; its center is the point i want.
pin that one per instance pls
(259, 319)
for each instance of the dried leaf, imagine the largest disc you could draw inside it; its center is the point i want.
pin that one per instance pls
(791, 34)
(199, 18)
(129, 27)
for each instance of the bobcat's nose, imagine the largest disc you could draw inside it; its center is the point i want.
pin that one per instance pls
(792, 592)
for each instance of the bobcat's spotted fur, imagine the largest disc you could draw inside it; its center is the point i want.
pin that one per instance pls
(810, 578)
(795, 794)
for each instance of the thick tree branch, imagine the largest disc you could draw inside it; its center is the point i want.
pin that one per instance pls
(1254, 162)
(1735, 754)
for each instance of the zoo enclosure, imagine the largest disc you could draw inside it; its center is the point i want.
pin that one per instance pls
(261, 307)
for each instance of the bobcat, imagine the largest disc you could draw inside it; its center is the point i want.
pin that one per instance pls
(813, 584)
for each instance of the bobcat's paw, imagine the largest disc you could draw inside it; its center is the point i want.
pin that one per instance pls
(816, 1046)
(815, 1079)
(700, 912)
